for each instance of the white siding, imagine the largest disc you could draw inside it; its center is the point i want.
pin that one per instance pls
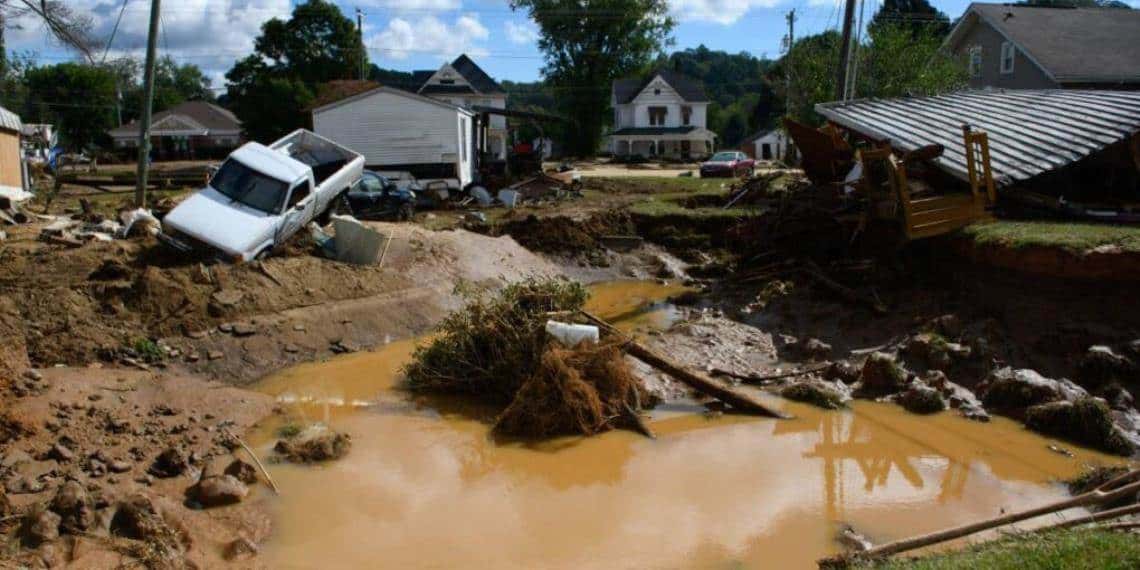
(636, 112)
(390, 128)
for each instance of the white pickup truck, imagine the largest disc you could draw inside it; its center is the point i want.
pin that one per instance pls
(261, 195)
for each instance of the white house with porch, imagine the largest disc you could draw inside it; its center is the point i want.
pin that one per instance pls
(465, 84)
(661, 115)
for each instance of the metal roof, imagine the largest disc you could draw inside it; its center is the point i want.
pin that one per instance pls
(1030, 131)
(9, 120)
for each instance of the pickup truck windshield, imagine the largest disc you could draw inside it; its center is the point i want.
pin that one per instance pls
(250, 187)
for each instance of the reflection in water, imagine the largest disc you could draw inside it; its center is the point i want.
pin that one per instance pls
(424, 489)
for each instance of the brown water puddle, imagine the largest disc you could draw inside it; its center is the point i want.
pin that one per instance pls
(428, 489)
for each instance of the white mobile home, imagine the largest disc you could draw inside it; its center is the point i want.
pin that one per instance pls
(399, 130)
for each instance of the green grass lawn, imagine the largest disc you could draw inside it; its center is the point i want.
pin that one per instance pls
(1071, 236)
(1058, 550)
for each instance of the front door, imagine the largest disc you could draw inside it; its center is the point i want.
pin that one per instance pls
(686, 148)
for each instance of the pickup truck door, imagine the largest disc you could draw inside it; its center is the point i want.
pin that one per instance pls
(299, 209)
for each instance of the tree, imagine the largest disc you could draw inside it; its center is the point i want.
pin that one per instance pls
(586, 45)
(78, 99)
(174, 83)
(271, 89)
(918, 16)
(893, 60)
(66, 26)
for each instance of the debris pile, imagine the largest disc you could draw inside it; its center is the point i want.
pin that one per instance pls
(497, 350)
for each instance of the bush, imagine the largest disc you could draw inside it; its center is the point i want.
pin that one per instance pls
(1087, 422)
(492, 346)
(496, 349)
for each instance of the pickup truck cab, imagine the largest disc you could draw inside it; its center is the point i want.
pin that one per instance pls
(261, 195)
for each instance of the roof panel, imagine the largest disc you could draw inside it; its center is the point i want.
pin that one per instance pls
(1030, 131)
(9, 120)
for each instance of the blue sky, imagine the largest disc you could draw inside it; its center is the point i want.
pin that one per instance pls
(421, 34)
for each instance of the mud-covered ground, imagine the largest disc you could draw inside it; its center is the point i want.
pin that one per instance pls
(134, 351)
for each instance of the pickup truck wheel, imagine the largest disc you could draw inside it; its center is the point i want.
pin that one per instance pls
(263, 254)
(341, 206)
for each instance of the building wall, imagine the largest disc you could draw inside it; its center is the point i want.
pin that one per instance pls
(1026, 74)
(636, 112)
(11, 170)
(388, 128)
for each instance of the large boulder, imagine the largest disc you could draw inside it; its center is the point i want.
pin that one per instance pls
(815, 393)
(1100, 365)
(75, 508)
(219, 490)
(1014, 389)
(921, 399)
(1086, 421)
(314, 448)
(881, 375)
(172, 462)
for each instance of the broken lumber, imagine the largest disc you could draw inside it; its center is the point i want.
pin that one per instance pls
(761, 379)
(699, 382)
(1126, 485)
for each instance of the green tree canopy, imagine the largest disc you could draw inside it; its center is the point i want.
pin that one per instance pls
(271, 89)
(918, 16)
(78, 99)
(587, 44)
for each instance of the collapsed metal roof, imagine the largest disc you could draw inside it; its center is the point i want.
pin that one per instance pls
(1030, 131)
(9, 120)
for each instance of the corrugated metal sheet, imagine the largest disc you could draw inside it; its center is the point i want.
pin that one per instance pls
(1030, 131)
(9, 121)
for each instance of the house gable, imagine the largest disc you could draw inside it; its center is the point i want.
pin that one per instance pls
(657, 91)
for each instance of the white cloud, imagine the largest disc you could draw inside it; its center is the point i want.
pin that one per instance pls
(429, 35)
(209, 33)
(717, 11)
(413, 5)
(520, 34)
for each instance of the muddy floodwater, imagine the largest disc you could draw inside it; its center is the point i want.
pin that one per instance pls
(425, 487)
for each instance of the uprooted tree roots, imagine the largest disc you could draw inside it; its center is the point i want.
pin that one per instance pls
(496, 349)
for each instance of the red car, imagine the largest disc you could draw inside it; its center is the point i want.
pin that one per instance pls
(727, 163)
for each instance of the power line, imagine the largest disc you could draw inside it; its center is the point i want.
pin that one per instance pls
(114, 31)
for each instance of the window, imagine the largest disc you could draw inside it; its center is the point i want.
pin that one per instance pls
(657, 116)
(976, 61)
(447, 82)
(299, 193)
(371, 184)
(1007, 55)
(243, 184)
(657, 91)
(686, 115)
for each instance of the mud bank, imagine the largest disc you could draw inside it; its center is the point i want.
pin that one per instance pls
(1105, 263)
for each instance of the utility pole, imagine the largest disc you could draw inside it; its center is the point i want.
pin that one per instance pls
(845, 49)
(360, 32)
(853, 63)
(148, 98)
(788, 79)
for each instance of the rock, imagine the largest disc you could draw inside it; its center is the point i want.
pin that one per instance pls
(136, 518)
(61, 453)
(33, 374)
(842, 371)
(22, 484)
(921, 399)
(243, 471)
(948, 325)
(244, 329)
(1086, 421)
(813, 349)
(41, 527)
(1117, 396)
(881, 375)
(1100, 365)
(1012, 389)
(218, 491)
(240, 548)
(315, 448)
(170, 463)
(119, 466)
(814, 393)
(75, 508)
(292, 348)
(227, 297)
(214, 354)
(15, 457)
